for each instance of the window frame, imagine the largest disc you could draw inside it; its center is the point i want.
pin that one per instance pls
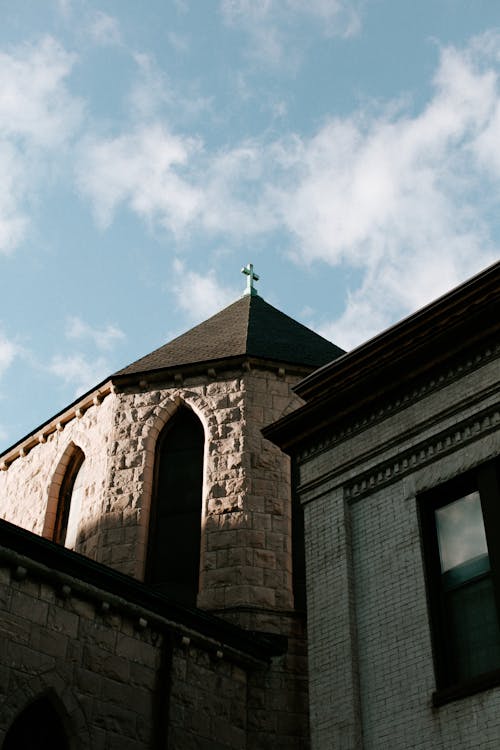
(65, 496)
(168, 583)
(485, 478)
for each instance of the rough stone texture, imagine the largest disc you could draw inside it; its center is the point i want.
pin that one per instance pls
(246, 562)
(64, 647)
(208, 704)
(246, 554)
(107, 680)
(29, 488)
(370, 655)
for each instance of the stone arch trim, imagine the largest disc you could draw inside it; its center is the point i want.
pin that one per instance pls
(54, 688)
(163, 414)
(56, 479)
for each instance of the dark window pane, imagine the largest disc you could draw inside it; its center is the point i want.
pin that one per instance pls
(175, 529)
(474, 640)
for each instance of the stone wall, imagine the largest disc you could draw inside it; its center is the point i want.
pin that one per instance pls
(246, 562)
(97, 667)
(370, 655)
(246, 554)
(30, 481)
(119, 676)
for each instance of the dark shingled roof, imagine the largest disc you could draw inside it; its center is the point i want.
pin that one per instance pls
(249, 327)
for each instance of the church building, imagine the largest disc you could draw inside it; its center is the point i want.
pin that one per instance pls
(152, 558)
(252, 540)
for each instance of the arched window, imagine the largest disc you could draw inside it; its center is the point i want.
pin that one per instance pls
(70, 502)
(38, 727)
(173, 563)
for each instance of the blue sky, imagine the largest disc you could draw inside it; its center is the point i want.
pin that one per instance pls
(350, 150)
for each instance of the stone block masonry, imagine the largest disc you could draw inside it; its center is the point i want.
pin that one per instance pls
(118, 674)
(246, 520)
(246, 556)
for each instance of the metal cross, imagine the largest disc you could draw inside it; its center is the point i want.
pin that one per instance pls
(251, 277)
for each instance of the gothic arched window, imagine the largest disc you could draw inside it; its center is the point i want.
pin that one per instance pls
(38, 727)
(173, 563)
(70, 502)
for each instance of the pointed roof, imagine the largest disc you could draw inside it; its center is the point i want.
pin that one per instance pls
(249, 327)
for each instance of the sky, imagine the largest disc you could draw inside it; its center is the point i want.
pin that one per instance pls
(350, 150)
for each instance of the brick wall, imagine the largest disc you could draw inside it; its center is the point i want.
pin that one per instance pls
(370, 652)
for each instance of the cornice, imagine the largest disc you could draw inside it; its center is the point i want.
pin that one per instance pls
(404, 462)
(73, 575)
(425, 452)
(212, 371)
(461, 314)
(394, 404)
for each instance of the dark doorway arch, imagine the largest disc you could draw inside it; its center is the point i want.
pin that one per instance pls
(69, 502)
(173, 563)
(38, 727)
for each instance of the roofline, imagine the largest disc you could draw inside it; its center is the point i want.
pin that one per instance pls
(220, 364)
(414, 325)
(400, 353)
(62, 417)
(249, 349)
(109, 385)
(47, 560)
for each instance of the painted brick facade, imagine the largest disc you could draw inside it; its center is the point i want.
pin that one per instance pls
(371, 660)
(364, 464)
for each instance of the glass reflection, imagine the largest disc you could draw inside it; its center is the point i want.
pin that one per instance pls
(460, 530)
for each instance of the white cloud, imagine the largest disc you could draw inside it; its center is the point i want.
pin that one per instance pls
(179, 42)
(200, 295)
(79, 371)
(153, 93)
(399, 196)
(13, 178)
(272, 24)
(104, 29)
(37, 116)
(34, 101)
(151, 90)
(235, 200)
(396, 196)
(64, 7)
(142, 169)
(103, 338)
(169, 180)
(8, 351)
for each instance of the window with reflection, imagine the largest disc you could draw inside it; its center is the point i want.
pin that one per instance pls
(460, 526)
(70, 501)
(173, 562)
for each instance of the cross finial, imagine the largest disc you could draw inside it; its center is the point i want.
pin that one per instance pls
(251, 277)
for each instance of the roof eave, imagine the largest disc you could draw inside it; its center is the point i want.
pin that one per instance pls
(464, 317)
(219, 365)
